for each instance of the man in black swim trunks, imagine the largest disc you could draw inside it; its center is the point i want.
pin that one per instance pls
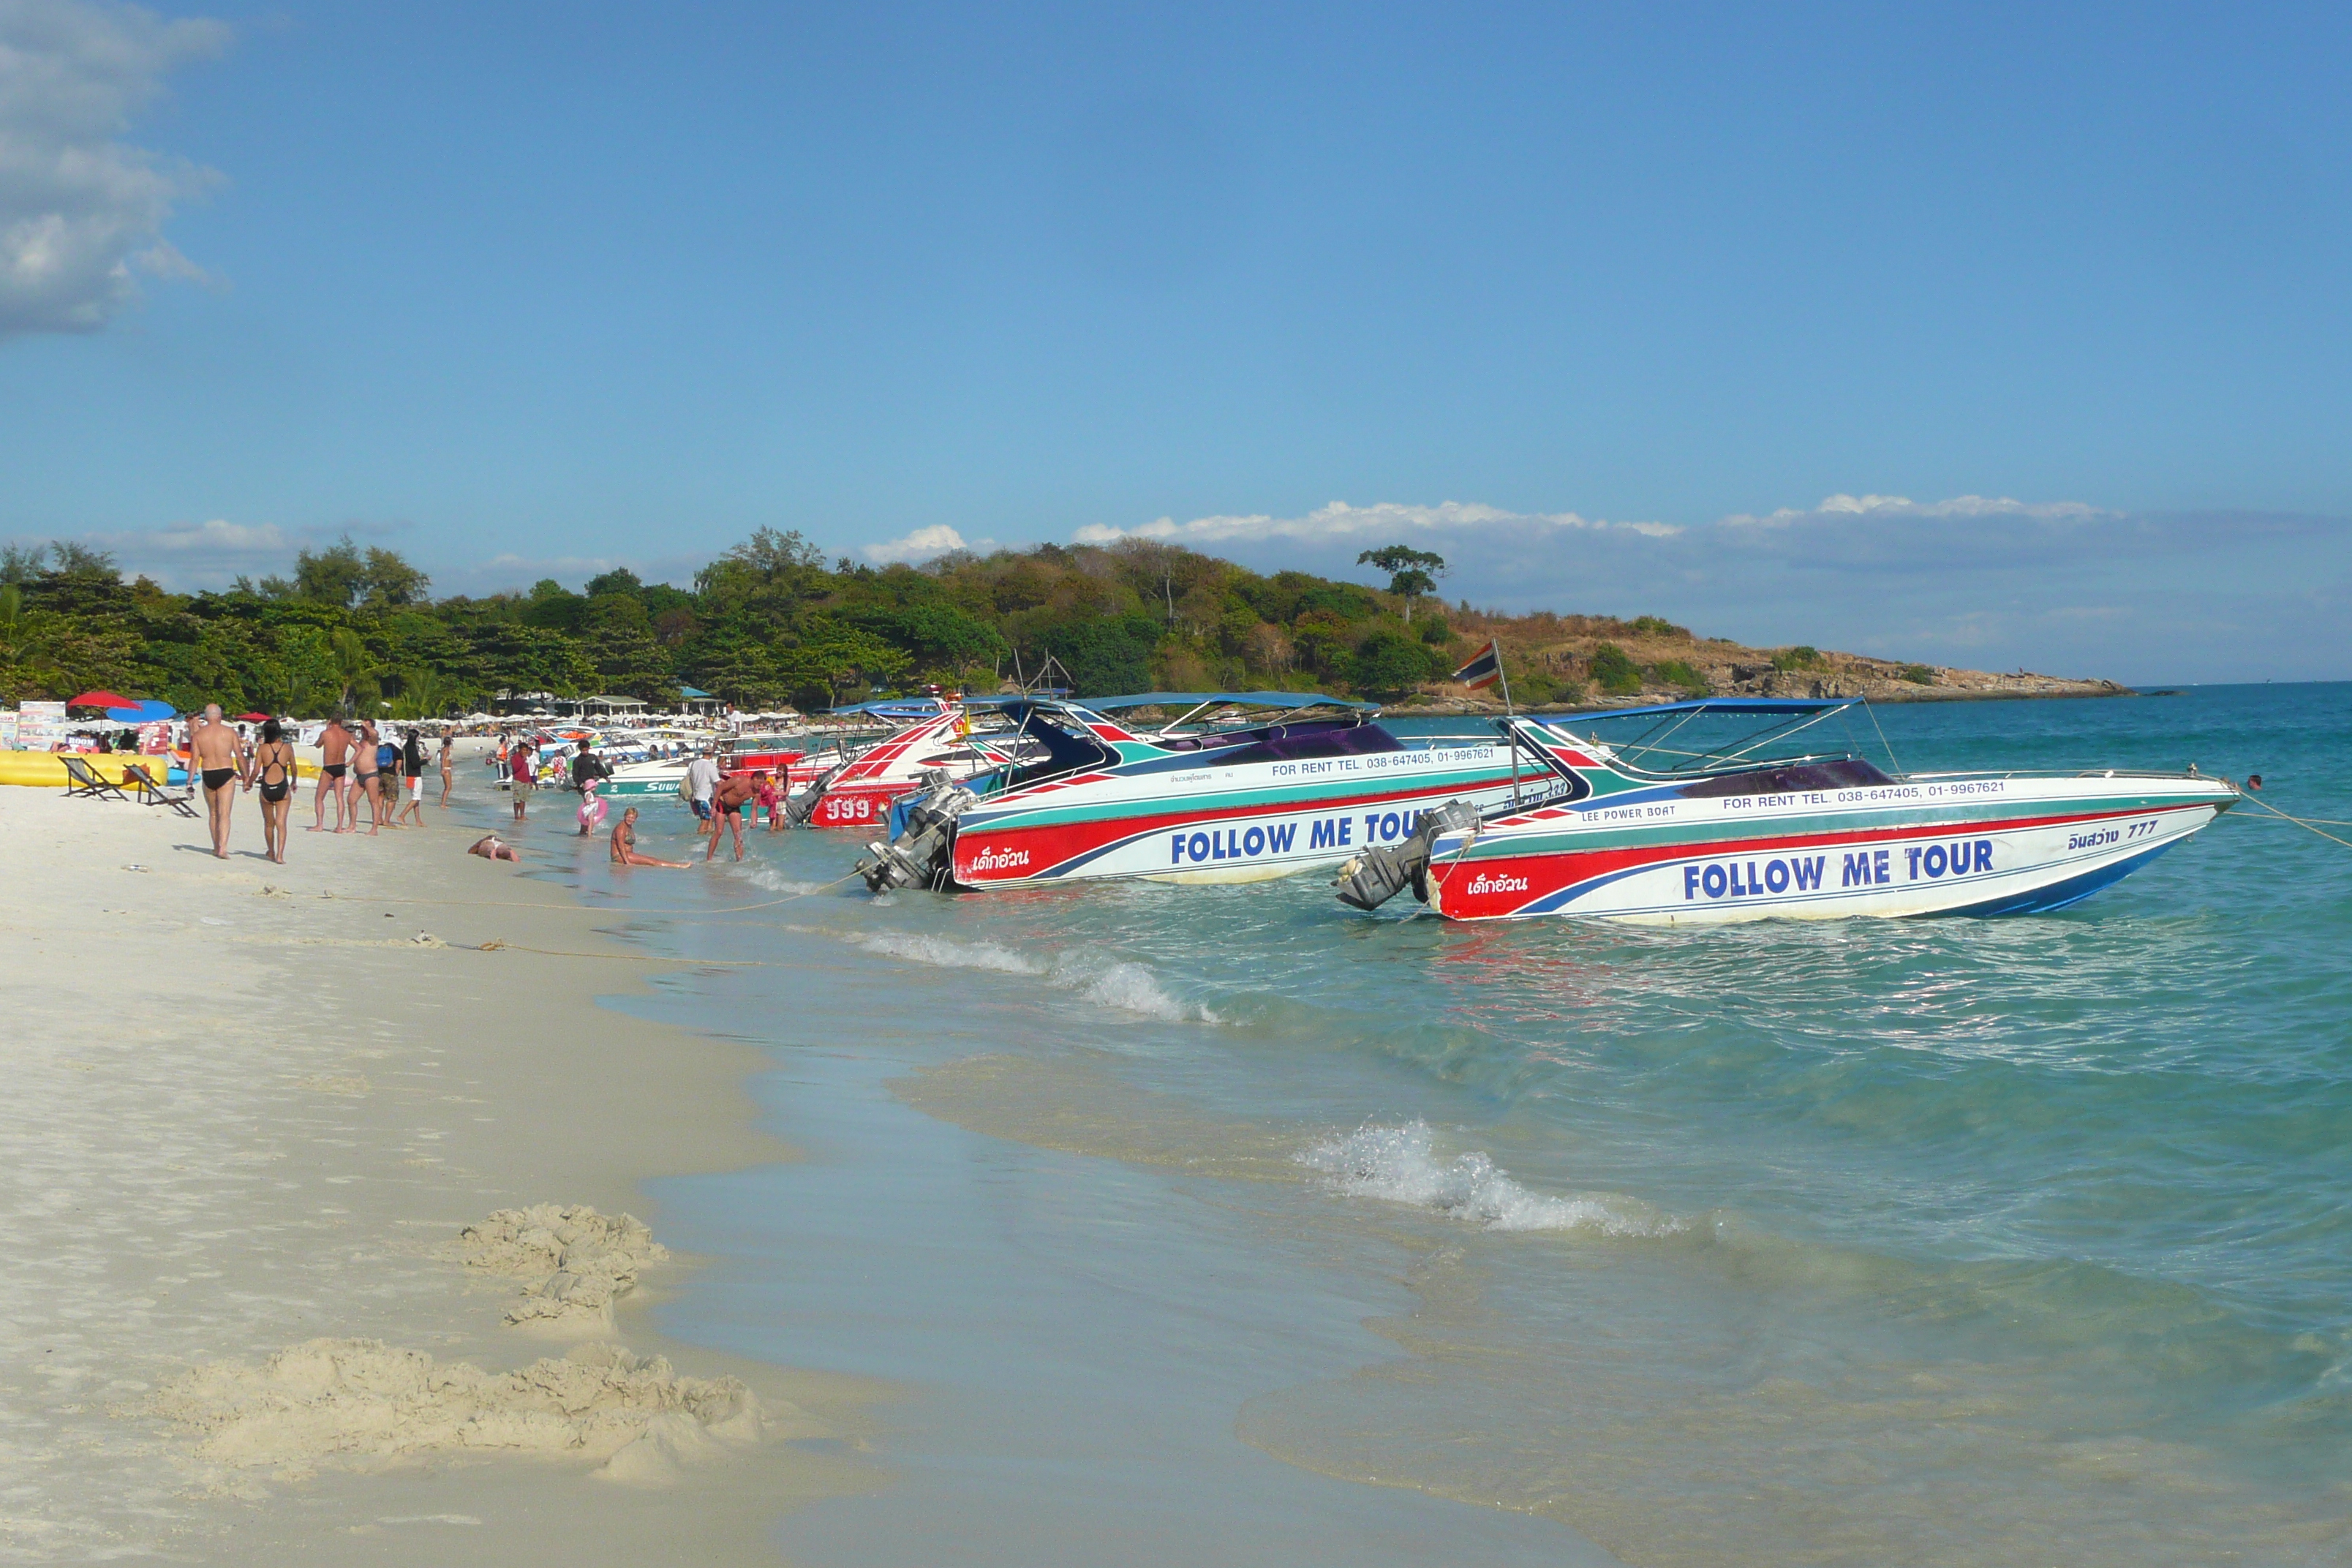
(334, 762)
(219, 762)
(728, 803)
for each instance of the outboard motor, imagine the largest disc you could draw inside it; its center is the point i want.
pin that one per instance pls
(918, 858)
(1376, 876)
(799, 809)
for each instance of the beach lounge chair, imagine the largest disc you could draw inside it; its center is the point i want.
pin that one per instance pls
(153, 794)
(83, 779)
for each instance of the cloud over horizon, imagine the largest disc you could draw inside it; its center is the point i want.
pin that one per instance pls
(82, 212)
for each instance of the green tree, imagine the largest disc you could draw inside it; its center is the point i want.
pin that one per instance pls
(388, 580)
(1412, 572)
(1391, 663)
(336, 576)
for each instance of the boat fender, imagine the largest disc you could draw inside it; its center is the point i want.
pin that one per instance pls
(1378, 875)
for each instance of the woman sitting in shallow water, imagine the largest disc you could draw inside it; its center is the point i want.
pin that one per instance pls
(624, 844)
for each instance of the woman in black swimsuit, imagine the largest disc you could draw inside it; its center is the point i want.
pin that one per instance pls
(270, 769)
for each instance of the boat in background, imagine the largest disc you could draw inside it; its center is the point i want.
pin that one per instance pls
(1216, 793)
(939, 747)
(1661, 828)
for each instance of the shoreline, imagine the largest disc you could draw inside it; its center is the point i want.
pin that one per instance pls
(256, 1105)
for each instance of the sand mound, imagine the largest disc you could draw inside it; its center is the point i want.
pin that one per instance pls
(574, 1260)
(363, 1399)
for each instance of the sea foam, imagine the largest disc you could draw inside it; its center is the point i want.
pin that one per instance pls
(1129, 987)
(1400, 1164)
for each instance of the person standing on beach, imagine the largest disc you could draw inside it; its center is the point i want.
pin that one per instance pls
(518, 762)
(271, 770)
(367, 769)
(334, 762)
(218, 761)
(449, 764)
(728, 804)
(412, 773)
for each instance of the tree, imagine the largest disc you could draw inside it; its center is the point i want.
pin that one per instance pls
(336, 576)
(1412, 572)
(1389, 662)
(22, 563)
(389, 580)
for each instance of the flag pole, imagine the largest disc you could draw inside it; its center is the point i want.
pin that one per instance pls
(1510, 721)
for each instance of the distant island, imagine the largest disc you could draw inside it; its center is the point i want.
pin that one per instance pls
(771, 622)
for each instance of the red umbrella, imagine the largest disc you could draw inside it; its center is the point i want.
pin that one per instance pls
(100, 700)
(253, 718)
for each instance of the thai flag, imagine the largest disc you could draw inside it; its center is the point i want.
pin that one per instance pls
(1484, 670)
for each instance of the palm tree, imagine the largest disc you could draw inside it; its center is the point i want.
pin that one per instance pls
(352, 663)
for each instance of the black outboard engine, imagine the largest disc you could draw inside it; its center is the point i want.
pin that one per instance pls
(919, 856)
(1376, 876)
(799, 809)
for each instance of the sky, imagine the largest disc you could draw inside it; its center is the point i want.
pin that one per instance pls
(2003, 336)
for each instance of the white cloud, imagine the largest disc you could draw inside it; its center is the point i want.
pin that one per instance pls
(1843, 507)
(220, 537)
(79, 209)
(920, 545)
(1338, 522)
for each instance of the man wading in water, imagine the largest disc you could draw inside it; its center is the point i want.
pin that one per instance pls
(219, 762)
(728, 804)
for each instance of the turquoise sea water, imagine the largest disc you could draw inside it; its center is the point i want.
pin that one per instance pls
(1958, 1241)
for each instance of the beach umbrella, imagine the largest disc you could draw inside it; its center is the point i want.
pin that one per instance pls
(100, 700)
(253, 718)
(149, 711)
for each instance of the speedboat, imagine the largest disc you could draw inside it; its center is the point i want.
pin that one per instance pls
(939, 747)
(1662, 829)
(1238, 788)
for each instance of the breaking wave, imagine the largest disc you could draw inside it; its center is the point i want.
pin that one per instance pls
(1129, 987)
(1400, 1164)
(947, 954)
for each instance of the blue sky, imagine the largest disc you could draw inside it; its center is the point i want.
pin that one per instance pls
(2000, 336)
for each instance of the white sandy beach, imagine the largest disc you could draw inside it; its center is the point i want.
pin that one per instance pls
(253, 1107)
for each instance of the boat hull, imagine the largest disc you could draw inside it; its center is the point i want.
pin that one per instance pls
(2022, 847)
(1245, 824)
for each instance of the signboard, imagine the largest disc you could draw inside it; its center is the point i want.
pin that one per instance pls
(7, 730)
(39, 725)
(154, 740)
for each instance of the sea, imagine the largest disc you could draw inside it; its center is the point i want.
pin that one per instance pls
(1228, 1224)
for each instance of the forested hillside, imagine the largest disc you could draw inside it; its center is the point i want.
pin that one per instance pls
(771, 622)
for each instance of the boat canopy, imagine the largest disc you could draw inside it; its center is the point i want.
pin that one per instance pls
(1673, 740)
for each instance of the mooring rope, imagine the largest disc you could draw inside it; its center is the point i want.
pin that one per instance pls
(2300, 822)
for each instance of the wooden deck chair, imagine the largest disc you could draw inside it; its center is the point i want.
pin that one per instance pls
(83, 779)
(153, 794)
